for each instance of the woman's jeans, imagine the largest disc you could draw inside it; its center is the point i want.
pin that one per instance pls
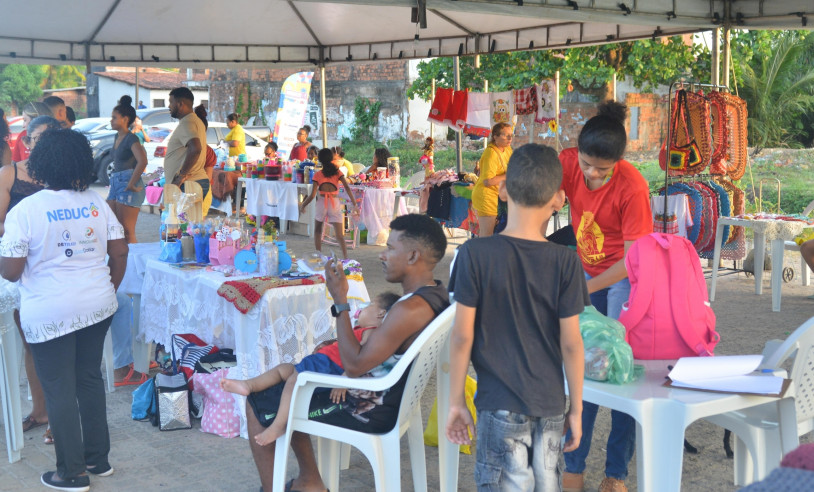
(622, 438)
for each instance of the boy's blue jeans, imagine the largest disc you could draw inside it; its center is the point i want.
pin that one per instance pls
(518, 452)
(622, 438)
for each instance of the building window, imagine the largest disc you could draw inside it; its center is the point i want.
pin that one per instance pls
(634, 123)
(158, 103)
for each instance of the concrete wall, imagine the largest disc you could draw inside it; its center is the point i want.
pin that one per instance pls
(75, 98)
(386, 82)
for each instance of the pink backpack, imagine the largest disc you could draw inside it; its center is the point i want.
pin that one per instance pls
(668, 314)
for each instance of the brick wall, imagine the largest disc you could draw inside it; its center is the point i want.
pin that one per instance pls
(75, 98)
(646, 134)
(386, 82)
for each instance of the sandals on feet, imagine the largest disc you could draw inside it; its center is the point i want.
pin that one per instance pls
(48, 438)
(30, 423)
(129, 380)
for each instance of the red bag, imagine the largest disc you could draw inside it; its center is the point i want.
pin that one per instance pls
(668, 314)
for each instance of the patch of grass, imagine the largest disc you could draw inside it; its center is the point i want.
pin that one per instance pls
(792, 167)
(409, 154)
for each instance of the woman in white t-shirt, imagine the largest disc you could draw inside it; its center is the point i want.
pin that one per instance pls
(55, 244)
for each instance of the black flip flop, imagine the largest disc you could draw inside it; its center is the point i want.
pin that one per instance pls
(30, 423)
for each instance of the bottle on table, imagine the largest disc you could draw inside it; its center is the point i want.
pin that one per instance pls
(267, 255)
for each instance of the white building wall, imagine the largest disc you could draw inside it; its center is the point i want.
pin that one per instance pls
(417, 125)
(111, 90)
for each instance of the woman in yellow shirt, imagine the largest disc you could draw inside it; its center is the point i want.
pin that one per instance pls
(493, 164)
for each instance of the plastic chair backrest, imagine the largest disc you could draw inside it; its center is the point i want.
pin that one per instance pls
(357, 168)
(809, 208)
(414, 180)
(801, 343)
(424, 353)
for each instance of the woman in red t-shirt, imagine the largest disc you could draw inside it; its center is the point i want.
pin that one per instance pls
(300, 150)
(610, 208)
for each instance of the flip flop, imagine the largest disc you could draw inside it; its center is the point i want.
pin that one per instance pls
(48, 438)
(128, 381)
(30, 423)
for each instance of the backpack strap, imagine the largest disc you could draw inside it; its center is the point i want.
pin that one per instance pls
(686, 309)
(639, 301)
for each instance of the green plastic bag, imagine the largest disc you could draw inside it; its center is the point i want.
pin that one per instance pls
(608, 357)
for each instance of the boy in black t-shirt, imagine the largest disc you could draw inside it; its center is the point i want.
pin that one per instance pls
(519, 299)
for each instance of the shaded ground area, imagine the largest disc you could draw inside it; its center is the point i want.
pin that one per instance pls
(146, 459)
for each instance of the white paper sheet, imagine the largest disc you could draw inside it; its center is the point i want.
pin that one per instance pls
(729, 373)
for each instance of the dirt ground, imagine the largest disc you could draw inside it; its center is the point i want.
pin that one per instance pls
(190, 460)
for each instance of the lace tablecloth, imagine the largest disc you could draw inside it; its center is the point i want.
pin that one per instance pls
(773, 229)
(284, 326)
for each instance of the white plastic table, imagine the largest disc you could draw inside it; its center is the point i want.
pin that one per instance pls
(778, 231)
(662, 414)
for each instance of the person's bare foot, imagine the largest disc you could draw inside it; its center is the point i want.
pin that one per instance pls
(235, 386)
(268, 436)
(127, 375)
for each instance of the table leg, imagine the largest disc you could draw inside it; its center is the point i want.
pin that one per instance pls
(760, 253)
(660, 448)
(789, 438)
(238, 197)
(447, 452)
(778, 248)
(10, 350)
(716, 260)
(141, 350)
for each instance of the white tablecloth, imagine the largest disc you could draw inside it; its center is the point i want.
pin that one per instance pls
(284, 326)
(137, 259)
(376, 211)
(272, 198)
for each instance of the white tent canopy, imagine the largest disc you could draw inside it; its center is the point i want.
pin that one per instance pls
(190, 33)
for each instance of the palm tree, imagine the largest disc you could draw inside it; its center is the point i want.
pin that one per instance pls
(779, 91)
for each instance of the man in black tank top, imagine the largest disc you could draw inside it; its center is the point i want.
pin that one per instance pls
(416, 244)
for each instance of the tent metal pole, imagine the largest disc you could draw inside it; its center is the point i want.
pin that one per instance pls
(136, 99)
(322, 103)
(432, 125)
(727, 61)
(716, 56)
(613, 87)
(456, 60)
(557, 110)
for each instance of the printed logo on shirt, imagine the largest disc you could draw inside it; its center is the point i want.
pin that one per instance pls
(89, 233)
(590, 239)
(66, 235)
(72, 213)
(69, 252)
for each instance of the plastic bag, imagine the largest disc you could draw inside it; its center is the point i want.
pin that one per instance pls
(607, 356)
(431, 432)
(171, 252)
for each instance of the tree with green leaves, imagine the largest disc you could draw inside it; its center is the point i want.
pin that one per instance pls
(775, 76)
(19, 85)
(589, 69)
(63, 76)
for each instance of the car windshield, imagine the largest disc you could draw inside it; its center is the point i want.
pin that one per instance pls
(158, 134)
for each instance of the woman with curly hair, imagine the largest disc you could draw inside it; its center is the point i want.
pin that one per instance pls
(55, 245)
(5, 150)
(380, 157)
(16, 184)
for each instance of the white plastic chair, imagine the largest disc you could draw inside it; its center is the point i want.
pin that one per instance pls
(382, 450)
(757, 428)
(805, 272)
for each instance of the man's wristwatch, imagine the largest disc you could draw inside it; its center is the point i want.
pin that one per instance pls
(337, 309)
